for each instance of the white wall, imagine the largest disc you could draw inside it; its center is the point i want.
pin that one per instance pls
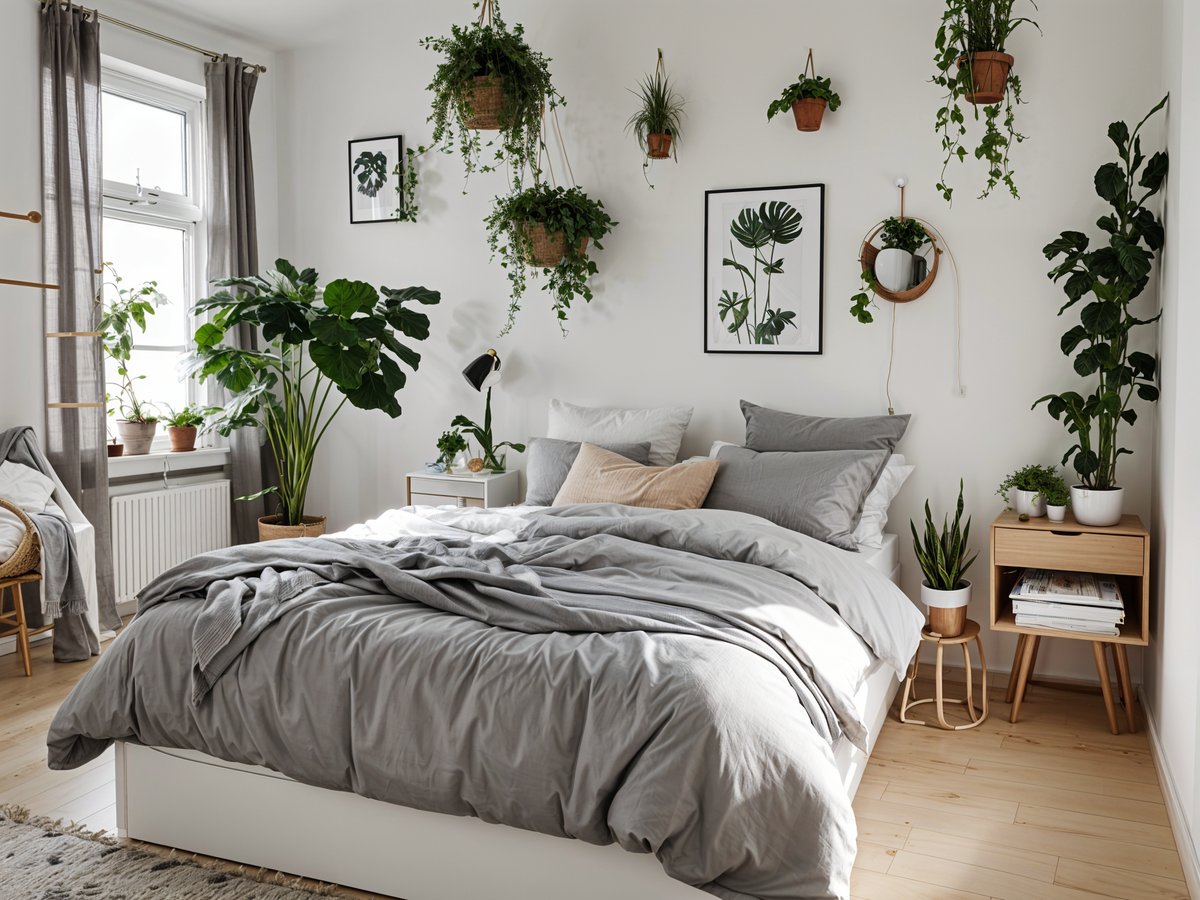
(22, 396)
(1171, 690)
(640, 342)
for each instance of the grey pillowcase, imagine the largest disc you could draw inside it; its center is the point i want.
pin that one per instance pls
(548, 460)
(772, 429)
(817, 492)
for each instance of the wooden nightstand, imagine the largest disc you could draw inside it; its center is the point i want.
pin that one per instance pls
(425, 489)
(1121, 550)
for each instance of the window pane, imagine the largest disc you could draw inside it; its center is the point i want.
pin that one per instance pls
(142, 252)
(140, 136)
(161, 385)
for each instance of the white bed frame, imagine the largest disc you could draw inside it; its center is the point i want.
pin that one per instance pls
(252, 815)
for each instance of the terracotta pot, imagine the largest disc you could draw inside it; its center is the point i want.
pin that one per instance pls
(182, 438)
(549, 247)
(137, 436)
(486, 97)
(808, 113)
(658, 146)
(270, 528)
(989, 75)
(115, 449)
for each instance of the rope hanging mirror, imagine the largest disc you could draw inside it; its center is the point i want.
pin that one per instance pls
(868, 256)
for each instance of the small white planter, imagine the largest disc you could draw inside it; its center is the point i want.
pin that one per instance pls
(1098, 508)
(1029, 503)
(947, 609)
(1056, 513)
(894, 269)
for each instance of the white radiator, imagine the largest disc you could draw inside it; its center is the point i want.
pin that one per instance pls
(153, 531)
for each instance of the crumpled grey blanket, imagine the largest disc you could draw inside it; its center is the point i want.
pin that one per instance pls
(671, 681)
(63, 590)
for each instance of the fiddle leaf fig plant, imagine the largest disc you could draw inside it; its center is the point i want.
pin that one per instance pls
(1108, 279)
(125, 312)
(325, 348)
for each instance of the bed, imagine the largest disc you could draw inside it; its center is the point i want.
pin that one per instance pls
(717, 802)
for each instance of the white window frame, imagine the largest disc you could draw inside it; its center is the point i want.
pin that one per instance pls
(183, 211)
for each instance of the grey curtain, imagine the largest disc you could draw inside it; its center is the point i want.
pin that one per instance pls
(233, 250)
(71, 184)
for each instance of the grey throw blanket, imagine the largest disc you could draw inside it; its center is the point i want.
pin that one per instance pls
(671, 681)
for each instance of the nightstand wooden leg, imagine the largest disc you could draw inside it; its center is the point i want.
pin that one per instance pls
(1037, 645)
(1119, 650)
(1016, 668)
(1026, 662)
(1105, 685)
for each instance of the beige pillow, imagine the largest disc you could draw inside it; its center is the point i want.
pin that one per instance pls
(600, 476)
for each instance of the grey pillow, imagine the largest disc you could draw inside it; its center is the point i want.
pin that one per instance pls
(771, 429)
(817, 492)
(548, 460)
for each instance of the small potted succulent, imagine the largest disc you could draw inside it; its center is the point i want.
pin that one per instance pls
(894, 264)
(943, 559)
(656, 124)
(1026, 489)
(808, 97)
(182, 426)
(1057, 495)
(450, 445)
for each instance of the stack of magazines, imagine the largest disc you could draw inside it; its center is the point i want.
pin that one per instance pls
(1068, 601)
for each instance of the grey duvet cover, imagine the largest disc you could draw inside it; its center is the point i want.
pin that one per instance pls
(671, 681)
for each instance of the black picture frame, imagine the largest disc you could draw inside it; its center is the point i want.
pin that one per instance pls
(812, 297)
(388, 199)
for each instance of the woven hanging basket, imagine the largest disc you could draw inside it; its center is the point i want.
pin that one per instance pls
(549, 248)
(486, 99)
(867, 258)
(29, 550)
(989, 76)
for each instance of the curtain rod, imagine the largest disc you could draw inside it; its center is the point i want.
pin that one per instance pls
(159, 37)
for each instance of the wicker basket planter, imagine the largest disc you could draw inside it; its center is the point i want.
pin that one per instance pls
(658, 146)
(29, 550)
(271, 528)
(183, 438)
(549, 247)
(989, 76)
(486, 98)
(808, 113)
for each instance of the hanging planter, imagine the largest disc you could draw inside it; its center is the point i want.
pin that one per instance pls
(658, 145)
(972, 65)
(550, 228)
(484, 97)
(895, 271)
(807, 98)
(657, 123)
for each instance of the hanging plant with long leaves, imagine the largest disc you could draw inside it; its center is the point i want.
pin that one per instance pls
(750, 312)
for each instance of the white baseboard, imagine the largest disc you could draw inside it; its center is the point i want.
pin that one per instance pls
(9, 644)
(1184, 842)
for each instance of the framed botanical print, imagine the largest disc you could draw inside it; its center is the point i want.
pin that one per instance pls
(374, 175)
(764, 269)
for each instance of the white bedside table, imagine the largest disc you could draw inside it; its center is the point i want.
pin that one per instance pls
(425, 489)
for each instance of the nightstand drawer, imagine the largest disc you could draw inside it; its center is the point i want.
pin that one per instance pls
(1115, 554)
(447, 487)
(443, 500)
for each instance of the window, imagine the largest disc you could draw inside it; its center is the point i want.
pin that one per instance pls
(153, 225)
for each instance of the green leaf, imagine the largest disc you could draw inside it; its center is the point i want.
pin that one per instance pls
(1143, 364)
(781, 220)
(1134, 259)
(343, 366)
(1100, 317)
(335, 330)
(285, 318)
(406, 354)
(409, 322)
(208, 335)
(373, 393)
(1110, 182)
(1118, 133)
(1155, 172)
(287, 270)
(421, 295)
(347, 297)
(748, 230)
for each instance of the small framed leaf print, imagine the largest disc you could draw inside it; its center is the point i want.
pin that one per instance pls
(375, 173)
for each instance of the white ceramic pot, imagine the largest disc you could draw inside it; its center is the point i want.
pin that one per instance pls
(947, 609)
(894, 269)
(1029, 503)
(1056, 513)
(1099, 508)
(136, 436)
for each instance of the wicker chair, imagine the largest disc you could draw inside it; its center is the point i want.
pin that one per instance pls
(17, 570)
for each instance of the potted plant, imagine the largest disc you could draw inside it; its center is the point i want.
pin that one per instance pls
(548, 228)
(449, 446)
(137, 420)
(182, 426)
(656, 124)
(972, 65)
(1112, 276)
(808, 97)
(325, 348)
(1025, 489)
(489, 79)
(490, 458)
(943, 560)
(1057, 496)
(901, 239)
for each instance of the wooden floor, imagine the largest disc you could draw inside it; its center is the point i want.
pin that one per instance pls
(1053, 807)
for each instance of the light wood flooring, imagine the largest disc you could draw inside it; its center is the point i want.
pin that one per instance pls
(1053, 807)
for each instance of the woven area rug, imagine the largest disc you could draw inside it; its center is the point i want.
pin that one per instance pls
(45, 860)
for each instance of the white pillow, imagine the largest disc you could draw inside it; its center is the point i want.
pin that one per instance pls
(27, 488)
(869, 533)
(663, 427)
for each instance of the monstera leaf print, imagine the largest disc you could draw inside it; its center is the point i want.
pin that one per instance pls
(371, 171)
(761, 231)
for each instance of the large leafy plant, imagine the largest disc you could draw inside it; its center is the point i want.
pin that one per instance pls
(125, 311)
(325, 348)
(943, 555)
(969, 27)
(1113, 275)
(487, 48)
(805, 88)
(760, 231)
(567, 210)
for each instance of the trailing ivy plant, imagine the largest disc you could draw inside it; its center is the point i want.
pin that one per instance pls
(969, 27)
(1113, 274)
(805, 88)
(762, 231)
(860, 303)
(485, 48)
(371, 171)
(568, 210)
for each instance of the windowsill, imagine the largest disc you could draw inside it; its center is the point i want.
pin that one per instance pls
(158, 462)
